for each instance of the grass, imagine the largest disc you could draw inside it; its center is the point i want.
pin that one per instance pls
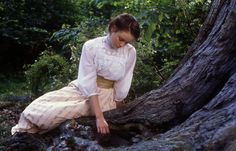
(13, 85)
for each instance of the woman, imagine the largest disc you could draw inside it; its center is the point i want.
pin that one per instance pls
(104, 78)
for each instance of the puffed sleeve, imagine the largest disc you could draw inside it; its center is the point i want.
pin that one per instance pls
(87, 74)
(122, 86)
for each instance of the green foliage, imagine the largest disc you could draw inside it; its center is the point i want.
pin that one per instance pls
(168, 27)
(49, 72)
(171, 25)
(30, 22)
(71, 39)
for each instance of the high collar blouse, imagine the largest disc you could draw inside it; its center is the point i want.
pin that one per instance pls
(99, 58)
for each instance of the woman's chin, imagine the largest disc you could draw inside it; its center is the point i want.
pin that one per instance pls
(114, 47)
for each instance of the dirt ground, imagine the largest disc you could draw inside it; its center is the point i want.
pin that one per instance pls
(9, 115)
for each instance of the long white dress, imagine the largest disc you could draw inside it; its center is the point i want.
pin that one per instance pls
(98, 58)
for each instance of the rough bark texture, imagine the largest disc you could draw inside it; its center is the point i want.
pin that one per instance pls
(194, 110)
(212, 128)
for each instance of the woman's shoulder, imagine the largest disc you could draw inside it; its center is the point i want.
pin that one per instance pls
(131, 48)
(94, 42)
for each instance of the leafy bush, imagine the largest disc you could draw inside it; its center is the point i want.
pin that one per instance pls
(69, 40)
(49, 72)
(30, 21)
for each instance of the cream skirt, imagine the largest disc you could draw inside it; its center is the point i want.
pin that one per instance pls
(53, 108)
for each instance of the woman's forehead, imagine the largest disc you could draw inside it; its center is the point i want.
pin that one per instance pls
(126, 35)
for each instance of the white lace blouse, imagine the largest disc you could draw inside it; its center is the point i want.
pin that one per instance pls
(98, 58)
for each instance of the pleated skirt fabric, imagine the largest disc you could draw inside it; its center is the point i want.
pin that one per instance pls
(53, 108)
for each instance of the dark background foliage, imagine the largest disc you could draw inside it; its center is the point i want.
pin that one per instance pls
(40, 34)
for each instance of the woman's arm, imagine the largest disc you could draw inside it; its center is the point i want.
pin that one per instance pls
(102, 126)
(123, 85)
(87, 84)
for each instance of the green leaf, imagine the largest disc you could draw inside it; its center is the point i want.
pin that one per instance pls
(150, 30)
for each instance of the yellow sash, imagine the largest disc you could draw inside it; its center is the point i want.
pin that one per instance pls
(104, 83)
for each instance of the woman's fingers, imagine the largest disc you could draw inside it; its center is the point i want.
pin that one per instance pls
(102, 126)
(103, 130)
(98, 129)
(106, 130)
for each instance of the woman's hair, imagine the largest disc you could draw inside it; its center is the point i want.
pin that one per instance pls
(125, 22)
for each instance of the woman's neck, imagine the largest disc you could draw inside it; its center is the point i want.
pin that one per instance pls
(108, 41)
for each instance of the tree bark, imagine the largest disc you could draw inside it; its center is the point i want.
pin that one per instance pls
(195, 109)
(212, 128)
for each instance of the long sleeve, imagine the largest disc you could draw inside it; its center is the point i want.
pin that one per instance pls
(122, 86)
(87, 72)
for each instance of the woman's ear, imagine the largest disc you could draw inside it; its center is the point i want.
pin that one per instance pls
(114, 28)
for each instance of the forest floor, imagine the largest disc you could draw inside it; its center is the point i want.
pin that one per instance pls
(9, 116)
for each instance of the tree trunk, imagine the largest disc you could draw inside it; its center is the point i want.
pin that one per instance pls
(195, 109)
(212, 128)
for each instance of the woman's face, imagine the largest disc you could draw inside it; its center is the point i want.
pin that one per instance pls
(121, 38)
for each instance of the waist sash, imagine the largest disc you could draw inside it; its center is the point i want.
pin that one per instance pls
(104, 83)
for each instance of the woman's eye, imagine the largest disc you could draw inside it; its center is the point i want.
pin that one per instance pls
(121, 40)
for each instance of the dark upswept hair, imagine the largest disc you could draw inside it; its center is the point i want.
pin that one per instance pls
(125, 22)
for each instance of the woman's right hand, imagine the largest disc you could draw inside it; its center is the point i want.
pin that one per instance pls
(102, 126)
